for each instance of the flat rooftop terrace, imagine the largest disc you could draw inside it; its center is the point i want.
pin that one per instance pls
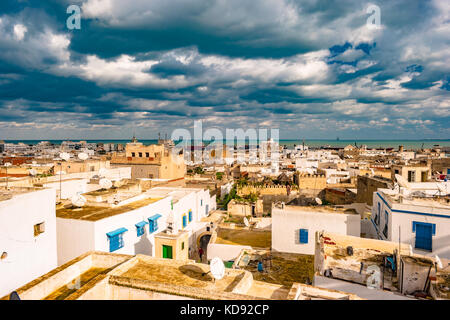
(318, 209)
(442, 202)
(13, 191)
(244, 237)
(283, 269)
(93, 213)
(175, 193)
(180, 273)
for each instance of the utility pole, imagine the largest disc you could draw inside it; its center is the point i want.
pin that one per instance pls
(7, 164)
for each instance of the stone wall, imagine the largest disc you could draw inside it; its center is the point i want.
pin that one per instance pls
(367, 186)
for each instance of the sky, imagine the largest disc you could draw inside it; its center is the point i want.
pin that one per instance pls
(313, 69)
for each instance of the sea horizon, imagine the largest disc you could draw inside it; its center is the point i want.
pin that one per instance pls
(371, 143)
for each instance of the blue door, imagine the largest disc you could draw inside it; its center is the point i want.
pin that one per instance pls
(424, 236)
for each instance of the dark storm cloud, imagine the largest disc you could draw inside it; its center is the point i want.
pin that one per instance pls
(306, 67)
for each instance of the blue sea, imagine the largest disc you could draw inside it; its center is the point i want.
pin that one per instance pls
(408, 144)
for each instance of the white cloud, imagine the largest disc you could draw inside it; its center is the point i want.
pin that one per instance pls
(19, 31)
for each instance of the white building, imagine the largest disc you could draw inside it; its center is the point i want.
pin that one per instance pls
(294, 227)
(130, 226)
(27, 236)
(421, 219)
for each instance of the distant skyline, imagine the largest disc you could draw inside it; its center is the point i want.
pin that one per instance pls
(313, 69)
(408, 144)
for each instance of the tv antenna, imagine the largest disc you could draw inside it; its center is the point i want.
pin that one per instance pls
(441, 189)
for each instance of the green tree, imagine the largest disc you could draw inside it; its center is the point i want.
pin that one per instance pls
(198, 170)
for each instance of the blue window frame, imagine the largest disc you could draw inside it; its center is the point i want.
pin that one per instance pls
(184, 221)
(424, 235)
(377, 219)
(140, 228)
(116, 239)
(303, 236)
(386, 223)
(153, 223)
(190, 215)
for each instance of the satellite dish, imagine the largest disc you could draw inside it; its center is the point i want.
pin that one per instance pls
(32, 172)
(64, 155)
(217, 268)
(102, 172)
(318, 201)
(8, 164)
(105, 183)
(78, 200)
(247, 224)
(402, 182)
(83, 156)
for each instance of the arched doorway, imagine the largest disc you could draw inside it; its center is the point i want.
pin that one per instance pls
(203, 242)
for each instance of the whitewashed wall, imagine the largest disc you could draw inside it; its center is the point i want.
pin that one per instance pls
(286, 225)
(29, 257)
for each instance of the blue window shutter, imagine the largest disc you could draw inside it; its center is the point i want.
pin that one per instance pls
(303, 235)
(151, 226)
(153, 223)
(116, 239)
(190, 215)
(184, 221)
(140, 228)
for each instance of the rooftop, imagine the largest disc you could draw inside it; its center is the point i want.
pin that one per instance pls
(244, 237)
(317, 209)
(417, 198)
(93, 213)
(180, 273)
(13, 191)
(283, 269)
